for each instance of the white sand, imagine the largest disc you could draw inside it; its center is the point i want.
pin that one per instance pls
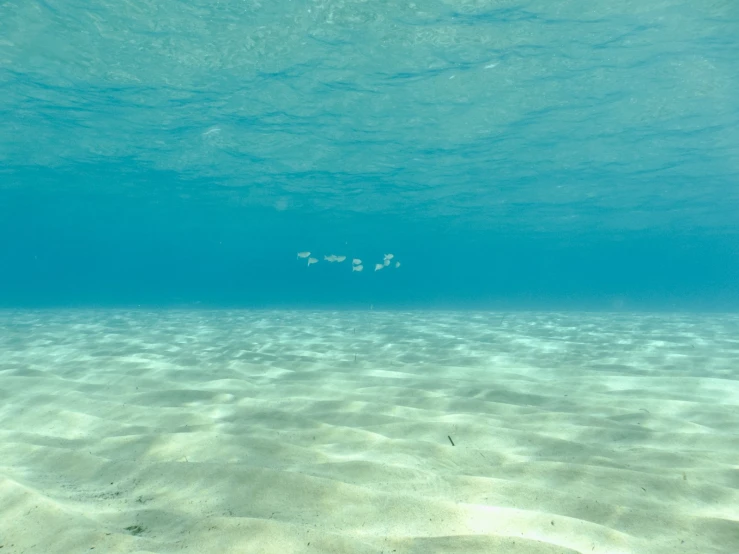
(257, 432)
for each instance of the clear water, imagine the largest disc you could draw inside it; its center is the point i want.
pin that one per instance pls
(538, 153)
(558, 180)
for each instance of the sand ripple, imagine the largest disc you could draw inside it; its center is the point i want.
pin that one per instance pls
(277, 432)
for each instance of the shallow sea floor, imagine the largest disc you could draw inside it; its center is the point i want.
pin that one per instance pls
(332, 432)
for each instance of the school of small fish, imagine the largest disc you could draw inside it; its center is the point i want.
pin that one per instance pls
(357, 265)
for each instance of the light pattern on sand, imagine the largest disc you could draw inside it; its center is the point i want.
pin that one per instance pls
(278, 432)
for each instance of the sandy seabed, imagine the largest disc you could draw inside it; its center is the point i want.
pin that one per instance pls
(368, 432)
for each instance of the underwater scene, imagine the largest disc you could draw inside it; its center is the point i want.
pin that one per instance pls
(369, 276)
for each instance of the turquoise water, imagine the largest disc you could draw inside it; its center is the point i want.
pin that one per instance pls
(539, 354)
(561, 155)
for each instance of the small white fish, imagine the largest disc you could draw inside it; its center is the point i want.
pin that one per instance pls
(397, 264)
(330, 258)
(312, 261)
(359, 267)
(357, 261)
(389, 256)
(340, 258)
(386, 262)
(303, 254)
(378, 267)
